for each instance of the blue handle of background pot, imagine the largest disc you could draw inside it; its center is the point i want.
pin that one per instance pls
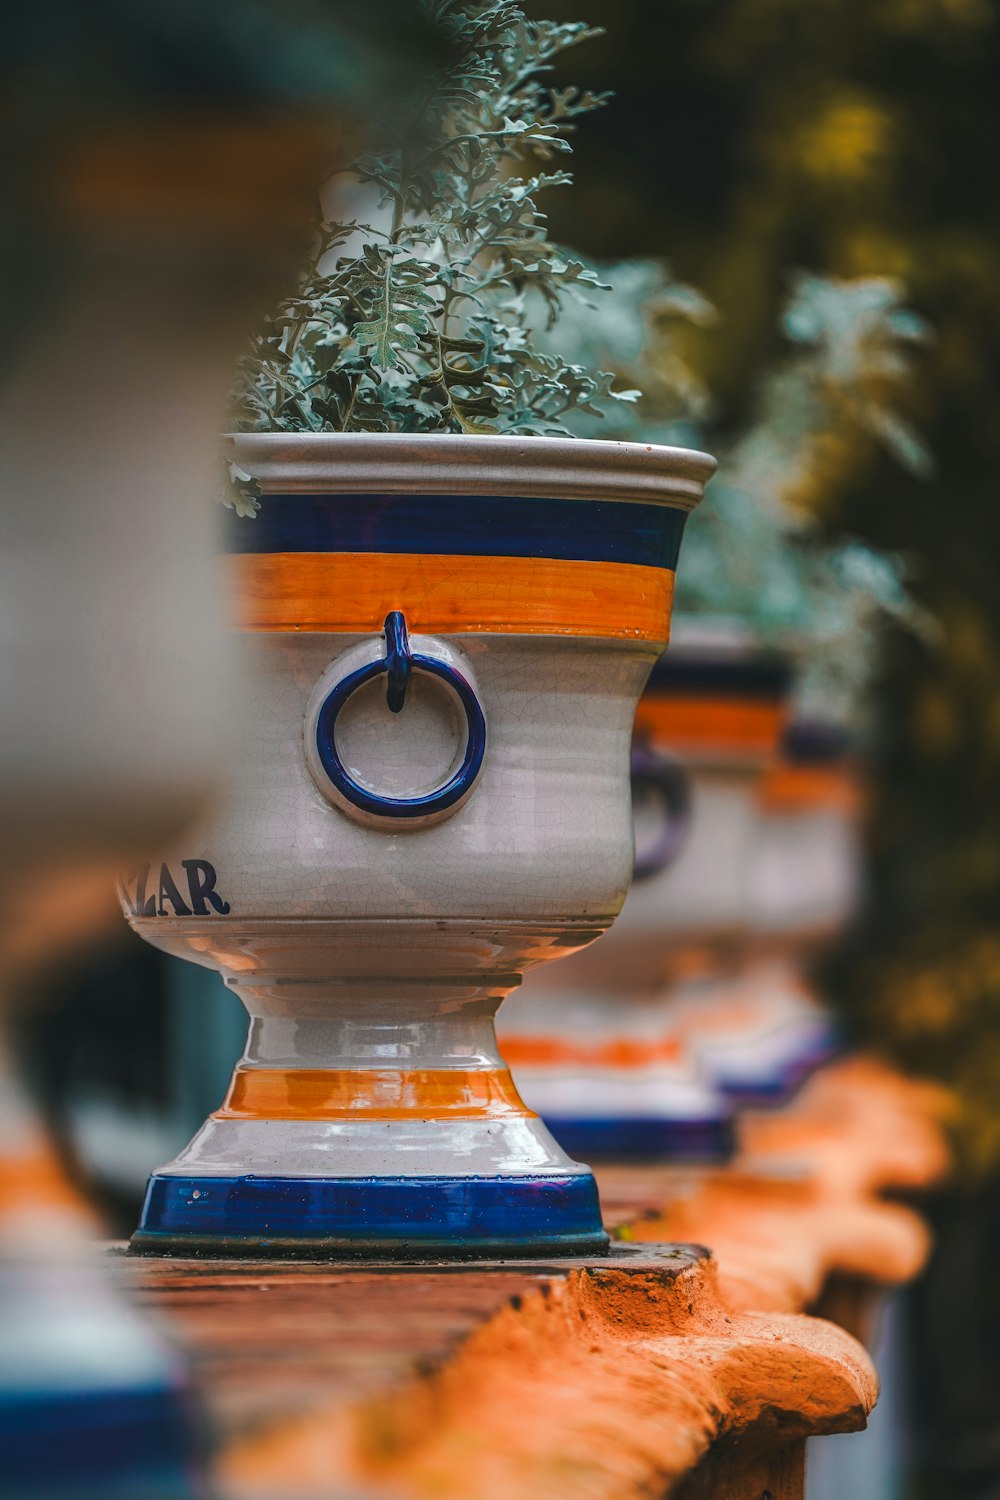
(399, 663)
(668, 780)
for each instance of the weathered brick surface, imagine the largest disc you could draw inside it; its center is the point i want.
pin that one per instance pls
(267, 1339)
(602, 1379)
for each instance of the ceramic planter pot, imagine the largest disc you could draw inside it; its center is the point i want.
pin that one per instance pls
(446, 640)
(759, 1036)
(806, 880)
(592, 1044)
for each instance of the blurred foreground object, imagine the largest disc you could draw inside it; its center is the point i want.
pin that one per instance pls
(137, 154)
(160, 168)
(93, 1402)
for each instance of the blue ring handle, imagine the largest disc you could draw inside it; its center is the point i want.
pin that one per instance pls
(399, 663)
(668, 780)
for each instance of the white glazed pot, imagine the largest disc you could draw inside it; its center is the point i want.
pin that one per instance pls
(759, 1036)
(381, 872)
(808, 865)
(592, 1043)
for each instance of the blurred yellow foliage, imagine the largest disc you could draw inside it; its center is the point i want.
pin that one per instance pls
(849, 140)
(939, 1014)
(916, 16)
(936, 724)
(873, 250)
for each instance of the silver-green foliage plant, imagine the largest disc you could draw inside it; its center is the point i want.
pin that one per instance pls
(425, 318)
(760, 549)
(849, 358)
(631, 330)
(755, 551)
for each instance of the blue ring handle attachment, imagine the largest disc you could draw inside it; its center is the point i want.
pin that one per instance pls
(399, 663)
(667, 780)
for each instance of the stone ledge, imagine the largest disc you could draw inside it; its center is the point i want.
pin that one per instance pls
(609, 1378)
(804, 1202)
(657, 1369)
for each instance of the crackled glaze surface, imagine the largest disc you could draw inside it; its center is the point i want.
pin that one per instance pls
(545, 835)
(371, 1109)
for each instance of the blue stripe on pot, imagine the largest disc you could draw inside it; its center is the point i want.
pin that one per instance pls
(646, 1138)
(813, 743)
(763, 675)
(463, 525)
(373, 1215)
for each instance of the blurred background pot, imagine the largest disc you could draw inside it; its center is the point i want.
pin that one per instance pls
(760, 1033)
(593, 1044)
(429, 795)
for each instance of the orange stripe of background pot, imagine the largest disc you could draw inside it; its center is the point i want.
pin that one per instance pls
(541, 1052)
(801, 788)
(346, 1093)
(712, 723)
(354, 591)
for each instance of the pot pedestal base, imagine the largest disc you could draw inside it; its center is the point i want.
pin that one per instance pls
(371, 1114)
(403, 1218)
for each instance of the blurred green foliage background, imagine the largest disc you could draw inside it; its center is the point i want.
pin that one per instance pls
(750, 139)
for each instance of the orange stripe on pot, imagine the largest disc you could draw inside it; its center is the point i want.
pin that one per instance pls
(347, 1093)
(279, 591)
(622, 1052)
(731, 725)
(790, 788)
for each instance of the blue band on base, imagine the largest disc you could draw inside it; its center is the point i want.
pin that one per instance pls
(412, 1216)
(646, 1138)
(763, 1093)
(110, 1442)
(770, 1090)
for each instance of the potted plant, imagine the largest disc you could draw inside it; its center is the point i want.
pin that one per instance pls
(448, 609)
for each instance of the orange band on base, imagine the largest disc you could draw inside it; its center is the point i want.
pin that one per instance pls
(807, 788)
(354, 591)
(730, 725)
(346, 1093)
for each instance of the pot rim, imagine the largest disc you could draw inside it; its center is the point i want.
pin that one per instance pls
(458, 464)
